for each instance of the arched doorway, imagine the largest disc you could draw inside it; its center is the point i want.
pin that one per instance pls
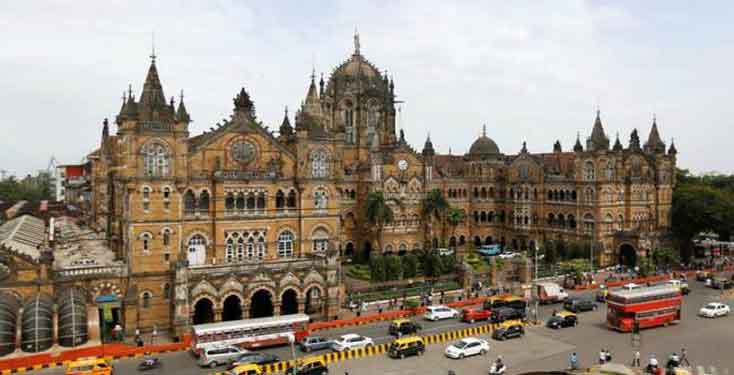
(289, 302)
(313, 300)
(627, 255)
(203, 311)
(232, 308)
(488, 240)
(477, 241)
(367, 250)
(261, 304)
(349, 250)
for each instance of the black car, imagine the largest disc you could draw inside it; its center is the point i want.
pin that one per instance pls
(508, 332)
(578, 305)
(506, 313)
(561, 320)
(402, 327)
(257, 358)
(311, 366)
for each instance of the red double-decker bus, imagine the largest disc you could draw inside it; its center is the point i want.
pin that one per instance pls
(650, 306)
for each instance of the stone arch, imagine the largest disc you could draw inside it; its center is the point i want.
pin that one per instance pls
(261, 303)
(349, 249)
(627, 254)
(203, 311)
(289, 301)
(232, 307)
(314, 296)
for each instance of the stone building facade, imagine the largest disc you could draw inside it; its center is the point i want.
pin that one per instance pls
(242, 221)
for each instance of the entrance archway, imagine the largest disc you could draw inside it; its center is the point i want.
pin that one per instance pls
(627, 255)
(313, 300)
(203, 311)
(367, 250)
(261, 304)
(289, 302)
(232, 308)
(349, 250)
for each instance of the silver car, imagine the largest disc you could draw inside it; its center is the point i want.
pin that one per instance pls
(219, 355)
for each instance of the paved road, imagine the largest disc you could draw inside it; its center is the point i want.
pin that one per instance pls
(708, 343)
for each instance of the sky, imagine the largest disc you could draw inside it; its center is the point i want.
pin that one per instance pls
(531, 71)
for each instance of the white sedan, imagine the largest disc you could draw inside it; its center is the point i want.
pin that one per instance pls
(509, 255)
(467, 347)
(440, 312)
(714, 309)
(351, 341)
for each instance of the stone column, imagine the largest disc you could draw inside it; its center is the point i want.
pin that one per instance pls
(245, 310)
(301, 305)
(276, 309)
(217, 314)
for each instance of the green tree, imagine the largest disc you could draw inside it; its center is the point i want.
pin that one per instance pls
(448, 264)
(455, 217)
(433, 207)
(379, 213)
(698, 208)
(410, 266)
(432, 266)
(393, 268)
(377, 269)
(665, 257)
(646, 267)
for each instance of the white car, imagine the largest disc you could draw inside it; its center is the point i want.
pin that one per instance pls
(351, 341)
(509, 255)
(467, 347)
(714, 309)
(440, 312)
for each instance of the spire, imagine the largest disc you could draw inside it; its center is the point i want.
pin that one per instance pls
(181, 113)
(321, 85)
(152, 100)
(557, 146)
(598, 140)
(356, 41)
(672, 150)
(524, 149)
(285, 127)
(654, 143)
(243, 104)
(312, 96)
(617, 144)
(634, 141)
(105, 129)
(428, 147)
(484, 130)
(577, 147)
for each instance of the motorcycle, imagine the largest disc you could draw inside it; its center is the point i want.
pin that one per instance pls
(149, 364)
(497, 369)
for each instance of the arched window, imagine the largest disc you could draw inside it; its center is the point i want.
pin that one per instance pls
(550, 195)
(146, 298)
(204, 202)
(166, 198)
(261, 202)
(285, 244)
(240, 201)
(166, 237)
(229, 202)
(609, 171)
(462, 240)
(483, 217)
(609, 223)
(620, 222)
(155, 158)
(146, 198)
(260, 248)
(588, 223)
(167, 291)
(279, 200)
(320, 199)
(189, 202)
(250, 248)
(571, 221)
(250, 201)
(197, 249)
(319, 164)
(146, 238)
(476, 216)
(551, 219)
(589, 195)
(320, 240)
(589, 171)
(292, 199)
(402, 248)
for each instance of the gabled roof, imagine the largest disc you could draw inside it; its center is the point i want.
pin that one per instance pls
(24, 235)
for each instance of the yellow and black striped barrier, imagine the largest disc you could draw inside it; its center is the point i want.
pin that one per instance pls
(329, 358)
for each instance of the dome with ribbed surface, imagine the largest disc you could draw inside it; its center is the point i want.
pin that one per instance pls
(484, 145)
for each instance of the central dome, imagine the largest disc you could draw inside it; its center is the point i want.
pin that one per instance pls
(484, 145)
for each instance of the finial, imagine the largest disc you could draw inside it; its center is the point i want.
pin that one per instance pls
(152, 54)
(429, 136)
(356, 41)
(449, 150)
(124, 97)
(484, 130)
(654, 118)
(313, 73)
(286, 111)
(129, 91)
(181, 96)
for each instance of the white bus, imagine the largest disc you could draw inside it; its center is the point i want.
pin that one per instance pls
(250, 333)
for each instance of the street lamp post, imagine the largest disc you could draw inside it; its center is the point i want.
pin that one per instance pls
(535, 283)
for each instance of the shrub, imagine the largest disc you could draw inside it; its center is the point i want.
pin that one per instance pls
(359, 271)
(377, 269)
(393, 268)
(448, 264)
(410, 266)
(432, 265)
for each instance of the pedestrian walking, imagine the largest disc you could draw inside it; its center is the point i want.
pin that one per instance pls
(154, 334)
(602, 357)
(608, 355)
(573, 362)
(636, 359)
(684, 357)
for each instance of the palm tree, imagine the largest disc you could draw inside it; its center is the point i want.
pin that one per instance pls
(454, 217)
(433, 205)
(379, 212)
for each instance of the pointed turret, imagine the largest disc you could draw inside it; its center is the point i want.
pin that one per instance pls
(577, 147)
(286, 130)
(182, 114)
(105, 129)
(634, 141)
(152, 99)
(617, 144)
(524, 149)
(243, 104)
(598, 140)
(557, 146)
(321, 85)
(428, 147)
(312, 106)
(654, 143)
(672, 150)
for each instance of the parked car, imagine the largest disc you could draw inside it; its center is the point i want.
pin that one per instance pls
(444, 251)
(401, 327)
(309, 366)
(714, 309)
(506, 313)
(351, 341)
(509, 255)
(312, 343)
(250, 369)
(467, 347)
(473, 314)
(407, 346)
(257, 358)
(579, 304)
(562, 319)
(214, 356)
(440, 312)
(508, 331)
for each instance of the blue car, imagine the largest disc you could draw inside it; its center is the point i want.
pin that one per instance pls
(490, 250)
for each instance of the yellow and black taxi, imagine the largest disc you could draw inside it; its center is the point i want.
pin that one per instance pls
(703, 275)
(562, 319)
(509, 330)
(309, 366)
(407, 346)
(400, 327)
(601, 294)
(248, 369)
(89, 367)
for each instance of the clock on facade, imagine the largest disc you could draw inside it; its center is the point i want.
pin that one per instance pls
(242, 151)
(402, 164)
